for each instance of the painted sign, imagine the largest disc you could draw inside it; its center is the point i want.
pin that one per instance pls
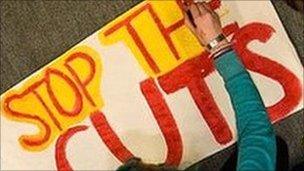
(143, 86)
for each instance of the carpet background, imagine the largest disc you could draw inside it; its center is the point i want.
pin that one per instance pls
(34, 33)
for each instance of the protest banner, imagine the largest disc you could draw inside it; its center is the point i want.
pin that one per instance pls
(143, 86)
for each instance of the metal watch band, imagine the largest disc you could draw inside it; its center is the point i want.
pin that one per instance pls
(215, 41)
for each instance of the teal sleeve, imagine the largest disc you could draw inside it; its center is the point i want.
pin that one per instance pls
(256, 138)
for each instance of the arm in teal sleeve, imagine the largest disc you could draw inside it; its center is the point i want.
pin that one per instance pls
(256, 138)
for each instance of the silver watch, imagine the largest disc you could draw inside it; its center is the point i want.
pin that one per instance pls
(216, 41)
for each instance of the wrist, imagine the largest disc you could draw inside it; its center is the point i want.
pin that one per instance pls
(222, 44)
(220, 49)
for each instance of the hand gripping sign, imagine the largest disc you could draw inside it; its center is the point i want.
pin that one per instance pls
(143, 86)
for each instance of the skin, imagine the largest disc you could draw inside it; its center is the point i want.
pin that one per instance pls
(257, 144)
(207, 26)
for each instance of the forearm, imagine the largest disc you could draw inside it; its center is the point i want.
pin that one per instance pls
(256, 139)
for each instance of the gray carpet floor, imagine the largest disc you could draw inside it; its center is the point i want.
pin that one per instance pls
(34, 33)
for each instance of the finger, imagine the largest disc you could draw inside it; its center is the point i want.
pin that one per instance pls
(189, 23)
(203, 9)
(207, 7)
(185, 5)
(186, 2)
(194, 11)
(190, 18)
(193, 30)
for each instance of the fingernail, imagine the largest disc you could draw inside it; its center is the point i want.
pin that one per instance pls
(187, 2)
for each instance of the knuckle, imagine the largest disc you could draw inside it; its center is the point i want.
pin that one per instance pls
(208, 16)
